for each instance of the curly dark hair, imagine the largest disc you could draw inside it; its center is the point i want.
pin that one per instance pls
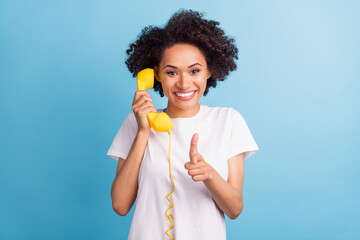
(185, 26)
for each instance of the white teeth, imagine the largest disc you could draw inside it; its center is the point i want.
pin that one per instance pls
(185, 94)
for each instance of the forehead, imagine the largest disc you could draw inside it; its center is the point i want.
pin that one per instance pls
(182, 54)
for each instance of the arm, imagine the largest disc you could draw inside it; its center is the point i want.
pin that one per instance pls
(227, 195)
(125, 185)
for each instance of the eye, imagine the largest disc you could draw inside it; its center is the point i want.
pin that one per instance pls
(171, 73)
(195, 71)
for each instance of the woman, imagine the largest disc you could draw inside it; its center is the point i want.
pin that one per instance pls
(208, 146)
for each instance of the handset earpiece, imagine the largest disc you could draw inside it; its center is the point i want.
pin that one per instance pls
(145, 79)
(160, 122)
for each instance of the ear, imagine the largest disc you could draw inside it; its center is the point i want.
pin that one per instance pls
(156, 73)
(209, 74)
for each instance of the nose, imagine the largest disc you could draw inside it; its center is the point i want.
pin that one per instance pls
(184, 82)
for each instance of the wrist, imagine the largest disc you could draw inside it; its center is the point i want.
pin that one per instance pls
(211, 174)
(143, 134)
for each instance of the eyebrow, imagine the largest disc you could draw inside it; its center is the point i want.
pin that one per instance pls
(188, 67)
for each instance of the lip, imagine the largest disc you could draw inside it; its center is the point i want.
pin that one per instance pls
(185, 98)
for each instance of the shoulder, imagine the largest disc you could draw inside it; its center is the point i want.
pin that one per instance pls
(214, 110)
(226, 116)
(130, 117)
(130, 121)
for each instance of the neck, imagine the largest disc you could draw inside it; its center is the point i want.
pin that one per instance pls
(174, 112)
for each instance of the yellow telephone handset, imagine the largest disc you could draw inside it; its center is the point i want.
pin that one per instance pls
(160, 122)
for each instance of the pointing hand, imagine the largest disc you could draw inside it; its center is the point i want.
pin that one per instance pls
(197, 167)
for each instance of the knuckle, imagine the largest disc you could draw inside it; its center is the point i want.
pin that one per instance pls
(148, 100)
(139, 94)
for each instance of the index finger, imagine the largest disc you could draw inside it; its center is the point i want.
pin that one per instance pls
(193, 145)
(139, 94)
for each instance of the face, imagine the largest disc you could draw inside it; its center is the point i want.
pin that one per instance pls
(183, 74)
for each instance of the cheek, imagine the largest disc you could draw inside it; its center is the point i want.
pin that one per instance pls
(202, 81)
(166, 86)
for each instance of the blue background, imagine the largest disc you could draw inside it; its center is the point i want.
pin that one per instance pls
(65, 91)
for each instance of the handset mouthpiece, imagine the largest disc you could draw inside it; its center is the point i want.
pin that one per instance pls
(160, 122)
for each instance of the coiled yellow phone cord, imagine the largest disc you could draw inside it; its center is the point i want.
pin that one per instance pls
(170, 216)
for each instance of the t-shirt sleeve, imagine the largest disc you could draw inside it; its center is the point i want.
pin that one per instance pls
(124, 138)
(241, 139)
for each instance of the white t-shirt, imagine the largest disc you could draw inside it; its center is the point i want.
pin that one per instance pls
(223, 133)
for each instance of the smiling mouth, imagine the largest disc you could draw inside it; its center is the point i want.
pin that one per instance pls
(187, 94)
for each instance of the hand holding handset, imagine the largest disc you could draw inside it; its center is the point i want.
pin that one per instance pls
(160, 122)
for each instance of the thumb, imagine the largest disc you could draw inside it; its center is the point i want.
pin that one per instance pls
(193, 147)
